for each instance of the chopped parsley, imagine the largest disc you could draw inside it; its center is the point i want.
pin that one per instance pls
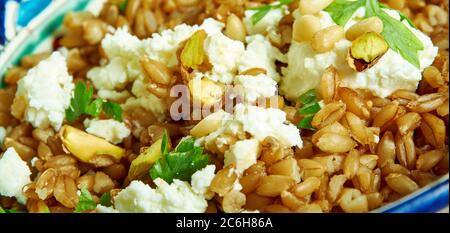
(10, 211)
(396, 34)
(123, 5)
(85, 202)
(181, 163)
(82, 103)
(105, 199)
(310, 106)
(262, 11)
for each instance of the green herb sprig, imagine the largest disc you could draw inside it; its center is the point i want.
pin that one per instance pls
(397, 35)
(263, 10)
(86, 203)
(181, 163)
(82, 103)
(310, 106)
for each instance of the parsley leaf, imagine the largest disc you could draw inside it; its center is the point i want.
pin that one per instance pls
(82, 103)
(396, 34)
(308, 97)
(402, 16)
(85, 203)
(94, 108)
(305, 123)
(79, 102)
(181, 163)
(123, 5)
(165, 143)
(310, 106)
(105, 199)
(10, 211)
(113, 110)
(262, 11)
(342, 10)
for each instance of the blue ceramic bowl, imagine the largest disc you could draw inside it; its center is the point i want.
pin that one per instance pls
(431, 198)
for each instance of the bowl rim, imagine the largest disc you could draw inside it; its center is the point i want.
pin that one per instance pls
(429, 195)
(422, 199)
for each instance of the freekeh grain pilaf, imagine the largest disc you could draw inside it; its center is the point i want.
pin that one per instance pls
(359, 152)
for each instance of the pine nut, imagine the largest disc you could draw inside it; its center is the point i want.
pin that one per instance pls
(305, 27)
(312, 6)
(325, 39)
(235, 28)
(372, 24)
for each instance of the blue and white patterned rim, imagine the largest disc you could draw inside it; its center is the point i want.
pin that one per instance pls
(17, 14)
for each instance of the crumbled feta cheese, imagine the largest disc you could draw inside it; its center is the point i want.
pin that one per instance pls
(260, 123)
(263, 122)
(123, 45)
(2, 135)
(237, 185)
(110, 130)
(47, 89)
(33, 161)
(114, 96)
(252, 88)
(268, 23)
(110, 77)
(261, 54)
(138, 198)
(223, 53)
(105, 210)
(250, 211)
(163, 46)
(212, 26)
(392, 72)
(178, 197)
(201, 179)
(124, 51)
(253, 121)
(243, 154)
(14, 175)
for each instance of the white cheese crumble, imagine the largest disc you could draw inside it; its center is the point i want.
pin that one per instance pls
(123, 68)
(14, 175)
(109, 129)
(110, 77)
(223, 53)
(261, 54)
(2, 135)
(243, 154)
(201, 179)
(392, 72)
(33, 161)
(178, 197)
(252, 88)
(163, 46)
(263, 122)
(115, 96)
(47, 90)
(267, 24)
(255, 122)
